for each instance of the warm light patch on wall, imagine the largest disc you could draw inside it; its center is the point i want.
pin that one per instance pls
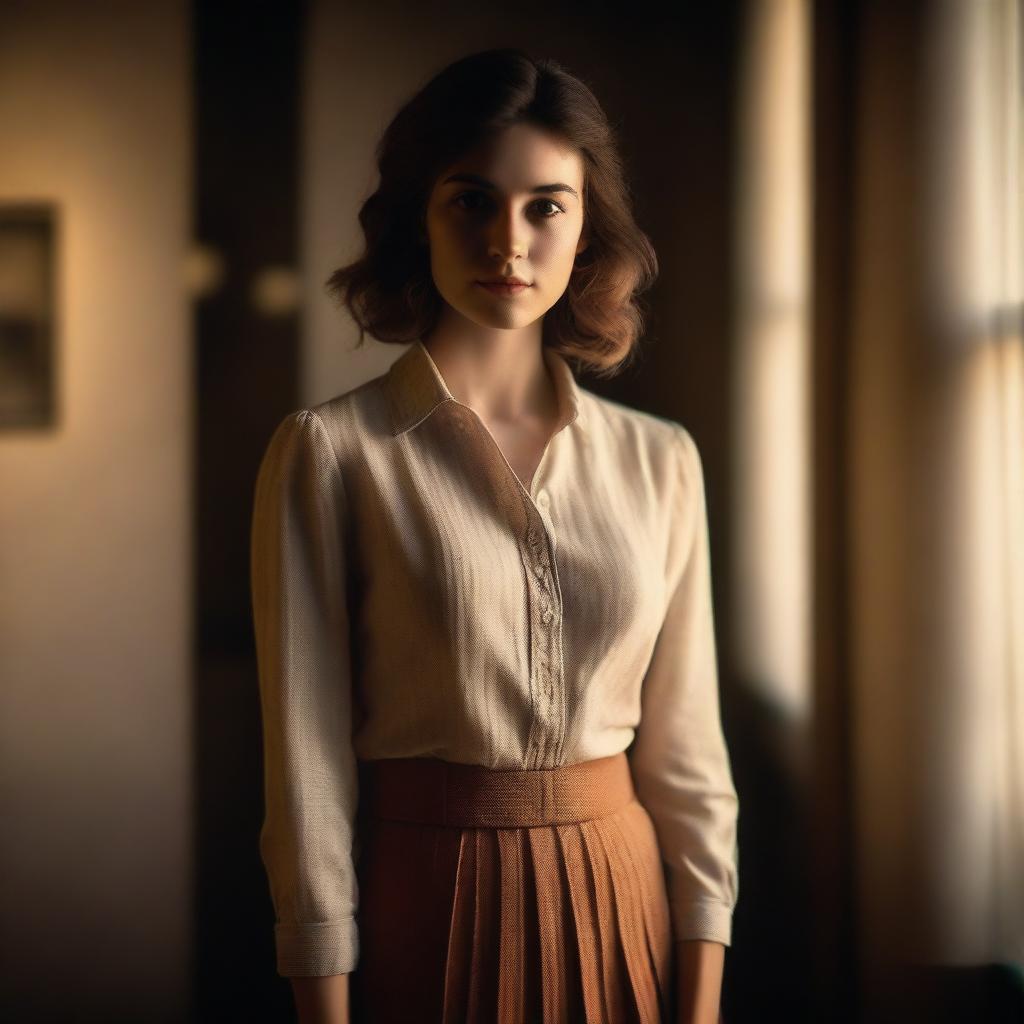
(276, 291)
(772, 583)
(202, 270)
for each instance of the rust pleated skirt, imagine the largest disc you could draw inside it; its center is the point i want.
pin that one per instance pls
(509, 897)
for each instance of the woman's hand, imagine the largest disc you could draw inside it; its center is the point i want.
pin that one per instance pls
(699, 967)
(322, 1000)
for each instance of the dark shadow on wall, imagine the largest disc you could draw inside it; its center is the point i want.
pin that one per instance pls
(246, 75)
(769, 968)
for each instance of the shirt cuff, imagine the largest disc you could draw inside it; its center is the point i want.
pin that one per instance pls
(709, 919)
(317, 950)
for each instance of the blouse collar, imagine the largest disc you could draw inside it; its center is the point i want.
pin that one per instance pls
(416, 388)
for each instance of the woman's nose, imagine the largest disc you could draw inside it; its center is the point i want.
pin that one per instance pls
(506, 236)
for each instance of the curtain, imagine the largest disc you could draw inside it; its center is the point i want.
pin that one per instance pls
(934, 435)
(973, 269)
(880, 387)
(936, 443)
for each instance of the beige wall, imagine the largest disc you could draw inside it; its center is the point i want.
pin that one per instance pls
(94, 525)
(347, 47)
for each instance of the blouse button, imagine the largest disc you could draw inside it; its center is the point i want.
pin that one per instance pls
(547, 616)
(543, 498)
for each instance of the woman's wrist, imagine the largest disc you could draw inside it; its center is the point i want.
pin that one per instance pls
(699, 967)
(321, 1000)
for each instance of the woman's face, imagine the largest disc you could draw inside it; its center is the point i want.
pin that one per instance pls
(513, 207)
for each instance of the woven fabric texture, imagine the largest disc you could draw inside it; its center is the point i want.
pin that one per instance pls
(412, 598)
(511, 897)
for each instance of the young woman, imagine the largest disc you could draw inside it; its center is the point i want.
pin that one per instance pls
(497, 787)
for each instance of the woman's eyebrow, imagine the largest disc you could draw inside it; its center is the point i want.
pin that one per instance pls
(475, 179)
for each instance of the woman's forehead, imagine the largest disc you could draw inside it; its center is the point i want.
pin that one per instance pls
(520, 158)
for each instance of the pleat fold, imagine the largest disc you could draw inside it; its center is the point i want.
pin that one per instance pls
(637, 834)
(485, 962)
(559, 924)
(460, 932)
(614, 975)
(558, 971)
(581, 899)
(648, 1004)
(512, 943)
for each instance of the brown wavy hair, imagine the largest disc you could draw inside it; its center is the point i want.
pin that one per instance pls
(390, 291)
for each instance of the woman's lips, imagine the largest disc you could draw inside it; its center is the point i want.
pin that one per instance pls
(504, 289)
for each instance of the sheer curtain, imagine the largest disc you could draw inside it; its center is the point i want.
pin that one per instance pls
(975, 286)
(935, 424)
(878, 528)
(936, 439)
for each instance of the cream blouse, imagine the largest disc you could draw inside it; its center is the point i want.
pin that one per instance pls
(411, 598)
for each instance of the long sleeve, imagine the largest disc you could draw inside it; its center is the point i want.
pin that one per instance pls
(302, 645)
(679, 758)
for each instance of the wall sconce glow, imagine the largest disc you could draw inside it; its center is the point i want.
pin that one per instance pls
(276, 291)
(203, 271)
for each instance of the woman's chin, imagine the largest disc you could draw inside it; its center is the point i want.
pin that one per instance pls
(499, 318)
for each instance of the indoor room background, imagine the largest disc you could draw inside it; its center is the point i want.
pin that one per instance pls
(834, 191)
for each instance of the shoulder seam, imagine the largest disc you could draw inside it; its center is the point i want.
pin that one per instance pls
(693, 485)
(334, 450)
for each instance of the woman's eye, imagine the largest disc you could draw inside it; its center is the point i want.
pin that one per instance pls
(469, 195)
(474, 197)
(558, 208)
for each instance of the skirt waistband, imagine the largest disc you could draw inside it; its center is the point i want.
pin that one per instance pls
(430, 791)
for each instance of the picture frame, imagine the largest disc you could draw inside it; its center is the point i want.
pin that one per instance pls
(28, 315)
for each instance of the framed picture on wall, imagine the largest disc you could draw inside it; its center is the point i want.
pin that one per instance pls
(28, 264)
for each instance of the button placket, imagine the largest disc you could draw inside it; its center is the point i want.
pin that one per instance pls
(547, 728)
